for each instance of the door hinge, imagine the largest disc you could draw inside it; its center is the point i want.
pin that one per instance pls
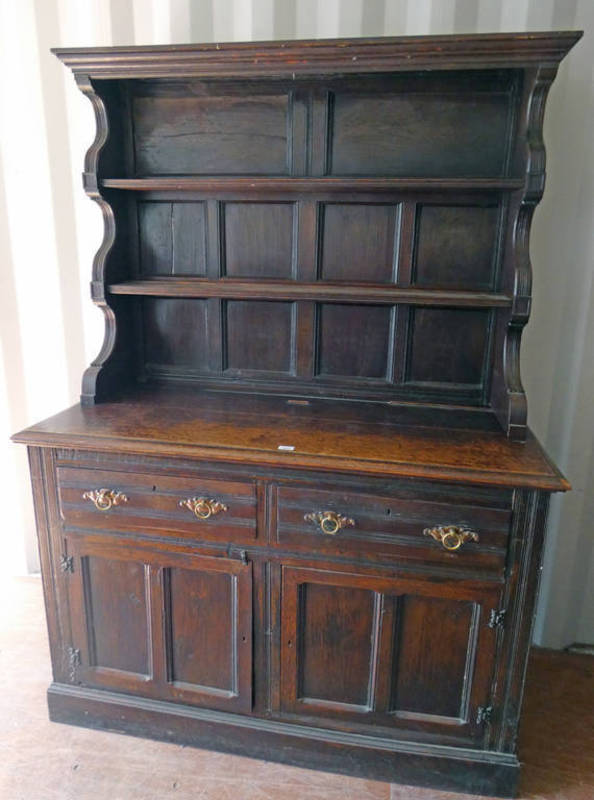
(484, 714)
(243, 557)
(74, 661)
(497, 618)
(67, 563)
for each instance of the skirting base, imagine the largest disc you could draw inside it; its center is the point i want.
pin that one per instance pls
(439, 767)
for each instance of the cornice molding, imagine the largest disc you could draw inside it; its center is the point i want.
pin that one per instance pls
(293, 59)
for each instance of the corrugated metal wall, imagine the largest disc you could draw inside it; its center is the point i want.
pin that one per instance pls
(49, 232)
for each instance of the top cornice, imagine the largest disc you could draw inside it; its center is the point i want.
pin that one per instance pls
(296, 58)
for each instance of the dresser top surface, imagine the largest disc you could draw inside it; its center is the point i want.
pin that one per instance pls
(329, 435)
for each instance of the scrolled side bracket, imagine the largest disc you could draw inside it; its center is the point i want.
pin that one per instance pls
(508, 398)
(101, 373)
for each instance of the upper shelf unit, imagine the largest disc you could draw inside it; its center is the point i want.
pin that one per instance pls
(340, 218)
(409, 131)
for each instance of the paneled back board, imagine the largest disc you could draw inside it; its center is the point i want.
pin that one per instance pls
(293, 526)
(368, 202)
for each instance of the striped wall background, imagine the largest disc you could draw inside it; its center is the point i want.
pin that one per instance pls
(49, 232)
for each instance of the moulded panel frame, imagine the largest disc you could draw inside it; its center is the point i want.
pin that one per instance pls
(158, 681)
(380, 708)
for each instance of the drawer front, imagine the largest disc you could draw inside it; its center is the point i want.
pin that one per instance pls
(380, 527)
(189, 506)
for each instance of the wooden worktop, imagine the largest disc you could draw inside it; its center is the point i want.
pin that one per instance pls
(345, 436)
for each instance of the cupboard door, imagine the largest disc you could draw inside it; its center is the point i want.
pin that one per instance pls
(174, 626)
(110, 602)
(410, 652)
(207, 632)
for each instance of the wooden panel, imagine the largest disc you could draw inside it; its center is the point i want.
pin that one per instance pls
(443, 655)
(206, 634)
(354, 341)
(455, 247)
(336, 628)
(433, 654)
(202, 619)
(258, 240)
(172, 238)
(176, 333)
(116, 604)
(329, 630)
(259, 336)
(358, 242)
(419, 134)
(209, 134)
(448, 346)
(155, 238)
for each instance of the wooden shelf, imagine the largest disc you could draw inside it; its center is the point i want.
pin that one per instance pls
(321, 292)
(307, 184)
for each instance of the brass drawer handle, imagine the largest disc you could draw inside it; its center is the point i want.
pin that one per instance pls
(329, 521)
(202, 507)
(104, 499)
(452, 537)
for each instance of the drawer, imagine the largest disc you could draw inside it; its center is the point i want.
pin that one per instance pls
(391, 526)
(210, 509)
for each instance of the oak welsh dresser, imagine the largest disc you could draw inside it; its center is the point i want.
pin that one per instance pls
(298, 513)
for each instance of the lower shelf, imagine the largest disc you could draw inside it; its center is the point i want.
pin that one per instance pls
(446, 768)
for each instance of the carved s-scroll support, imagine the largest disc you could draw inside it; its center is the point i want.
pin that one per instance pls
(93, 377)
(507, 393)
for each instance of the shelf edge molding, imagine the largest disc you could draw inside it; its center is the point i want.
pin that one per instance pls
(384, 294)
(286, 184)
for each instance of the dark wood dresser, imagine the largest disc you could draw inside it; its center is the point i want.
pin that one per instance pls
(298, 513)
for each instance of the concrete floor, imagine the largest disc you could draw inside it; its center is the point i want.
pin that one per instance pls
(40, 760)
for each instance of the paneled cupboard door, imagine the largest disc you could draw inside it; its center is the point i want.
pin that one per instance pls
(412, 653)
(174, 626)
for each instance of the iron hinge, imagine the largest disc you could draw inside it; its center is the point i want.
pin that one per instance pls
(239, 554)
(67, 563)
(497, 618)
(484, 714)
(74, 661)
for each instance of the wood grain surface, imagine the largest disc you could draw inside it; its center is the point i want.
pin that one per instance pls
(325, 435)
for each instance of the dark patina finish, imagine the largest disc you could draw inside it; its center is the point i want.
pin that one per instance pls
(298, 513)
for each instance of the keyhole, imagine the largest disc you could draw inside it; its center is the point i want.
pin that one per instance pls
(290, 643)
(154, 488)
(388, 511)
